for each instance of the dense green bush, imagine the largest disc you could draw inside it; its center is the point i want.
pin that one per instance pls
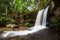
(5, 20)
(27, 23)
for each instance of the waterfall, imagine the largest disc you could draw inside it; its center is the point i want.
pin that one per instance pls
(34, 29)
(45, 16)
(39, 16)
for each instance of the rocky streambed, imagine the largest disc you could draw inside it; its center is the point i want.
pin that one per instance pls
(45, 34)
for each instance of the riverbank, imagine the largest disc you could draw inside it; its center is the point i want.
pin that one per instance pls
(10, 29)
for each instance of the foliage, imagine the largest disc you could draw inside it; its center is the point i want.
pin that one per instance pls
(23, 6)
(43, 3)
(26, 23)
(10, 9)
(56, 25)
(29, 5)
(6, 20)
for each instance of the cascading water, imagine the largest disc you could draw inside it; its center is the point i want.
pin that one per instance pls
(34, 29)
(39, 16)
(45, 16)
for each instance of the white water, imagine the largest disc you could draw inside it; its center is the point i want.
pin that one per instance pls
(39, 16)
(34, 29)
(45, 16)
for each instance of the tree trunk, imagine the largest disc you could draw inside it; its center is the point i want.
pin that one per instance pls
(6, 11)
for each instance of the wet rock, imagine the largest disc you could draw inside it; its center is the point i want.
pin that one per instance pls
(57, 13)
(45, 34)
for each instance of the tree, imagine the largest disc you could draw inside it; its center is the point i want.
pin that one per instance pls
(5, 4)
